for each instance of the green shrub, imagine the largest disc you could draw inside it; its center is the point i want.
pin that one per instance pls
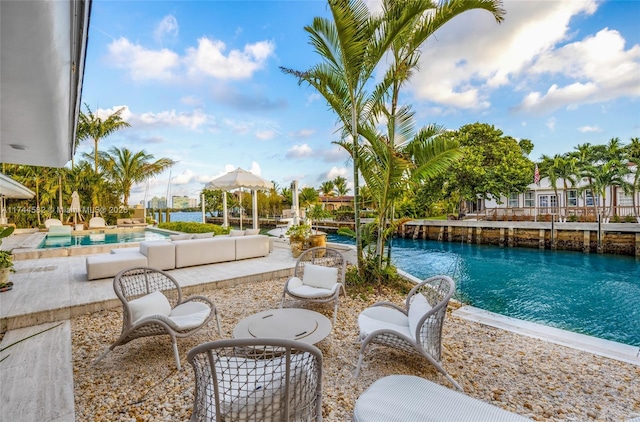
(573, 218)
(193, 227)
(629, 219)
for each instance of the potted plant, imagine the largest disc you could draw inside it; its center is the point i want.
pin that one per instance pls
(316, 213)
(6, 261)
(298, 235)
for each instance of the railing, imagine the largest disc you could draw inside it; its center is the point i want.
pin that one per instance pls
(619, 213)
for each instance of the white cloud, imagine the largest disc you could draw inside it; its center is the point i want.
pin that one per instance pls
(167, 26)
(265, 135)
(209, 59)
(104, 113)
(589, 129)
(255, 168)
(193, 120)
(302, 133)
(186, 177)
(337, 171)
(472, 54)
(551, 123)
(600, 62)
(299, 151)
(142, 63)
(313, 97)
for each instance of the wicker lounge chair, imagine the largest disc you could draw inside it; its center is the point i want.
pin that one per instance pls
(416, 327)
(407, 398)
(257, 380)
(318, 277)
(152, 305)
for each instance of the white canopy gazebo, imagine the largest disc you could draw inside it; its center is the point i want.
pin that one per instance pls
(238, 179)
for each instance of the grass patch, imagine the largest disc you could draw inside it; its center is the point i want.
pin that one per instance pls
(193, 227)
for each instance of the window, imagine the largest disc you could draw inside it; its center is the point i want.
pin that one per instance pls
(588, 198)
(547, 204)
(625, 200)
(529, 199)
(513, 200)
(572, 198)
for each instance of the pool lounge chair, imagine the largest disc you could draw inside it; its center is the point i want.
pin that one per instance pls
(51, 222)
(99, 223)
(407, 398)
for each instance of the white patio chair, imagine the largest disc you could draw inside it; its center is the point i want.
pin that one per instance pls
(50, 222)
(266, 380)
(318, 277)
(415, 328)
(99, 223)
(152, 305)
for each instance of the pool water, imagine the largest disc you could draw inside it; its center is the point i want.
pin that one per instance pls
(93, 239)
(592, 294)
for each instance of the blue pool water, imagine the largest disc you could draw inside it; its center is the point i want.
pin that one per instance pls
(598, 295)
(101, 238)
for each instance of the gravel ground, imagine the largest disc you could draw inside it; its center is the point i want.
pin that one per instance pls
(540, 380)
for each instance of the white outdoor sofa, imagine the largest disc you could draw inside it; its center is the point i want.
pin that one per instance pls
(171, 254)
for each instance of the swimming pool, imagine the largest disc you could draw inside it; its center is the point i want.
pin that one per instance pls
(93, 239)
(590, 294)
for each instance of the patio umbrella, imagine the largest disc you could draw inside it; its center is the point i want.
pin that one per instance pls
(238, 179)
(75, 207)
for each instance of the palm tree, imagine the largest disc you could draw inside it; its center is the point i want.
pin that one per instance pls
(610, 174)
(340, 186)
(327, 188)
(93, 127)
(125, 168)
(633, 154)
(564, 168)
(308, 196)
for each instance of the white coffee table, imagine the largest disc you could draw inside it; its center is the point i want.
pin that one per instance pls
(288, 323)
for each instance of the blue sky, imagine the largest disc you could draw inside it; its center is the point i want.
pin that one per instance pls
(200, 83)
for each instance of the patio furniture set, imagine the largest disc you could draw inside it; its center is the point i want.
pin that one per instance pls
(271, 370)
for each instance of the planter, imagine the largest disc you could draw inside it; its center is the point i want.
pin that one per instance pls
(297, 245)
(4, 275)
(317, 240)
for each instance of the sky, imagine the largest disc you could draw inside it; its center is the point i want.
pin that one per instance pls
(200, 83)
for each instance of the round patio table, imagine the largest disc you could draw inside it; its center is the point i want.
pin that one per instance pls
(288, 323)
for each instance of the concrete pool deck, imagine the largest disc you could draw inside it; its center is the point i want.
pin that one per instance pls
(36, 375)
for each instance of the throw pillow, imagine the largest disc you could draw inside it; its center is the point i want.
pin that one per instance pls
(180, 236)
(202, 236)
(152, 304)
(419, 306)
(234, 233)
(251, 232)
(319, 276)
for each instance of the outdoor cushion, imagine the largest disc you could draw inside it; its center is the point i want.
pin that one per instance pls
(202, 235)
(149, 305)
(127, 221)
(320, 276)
(234, 233)
(180, 236)
(311, 292)
(419, 306)
(189, 315)
(381, 317)
(249, 232)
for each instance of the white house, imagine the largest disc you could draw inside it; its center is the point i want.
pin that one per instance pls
(540, 202)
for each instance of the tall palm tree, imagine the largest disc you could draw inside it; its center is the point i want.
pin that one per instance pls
(340, 186)
(566, 169)
(633, 154)
(326, 188)
(93, 127)
(609, 174)
(351, 44)
(125, 168)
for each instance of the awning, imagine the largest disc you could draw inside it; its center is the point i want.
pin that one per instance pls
(9, 188)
